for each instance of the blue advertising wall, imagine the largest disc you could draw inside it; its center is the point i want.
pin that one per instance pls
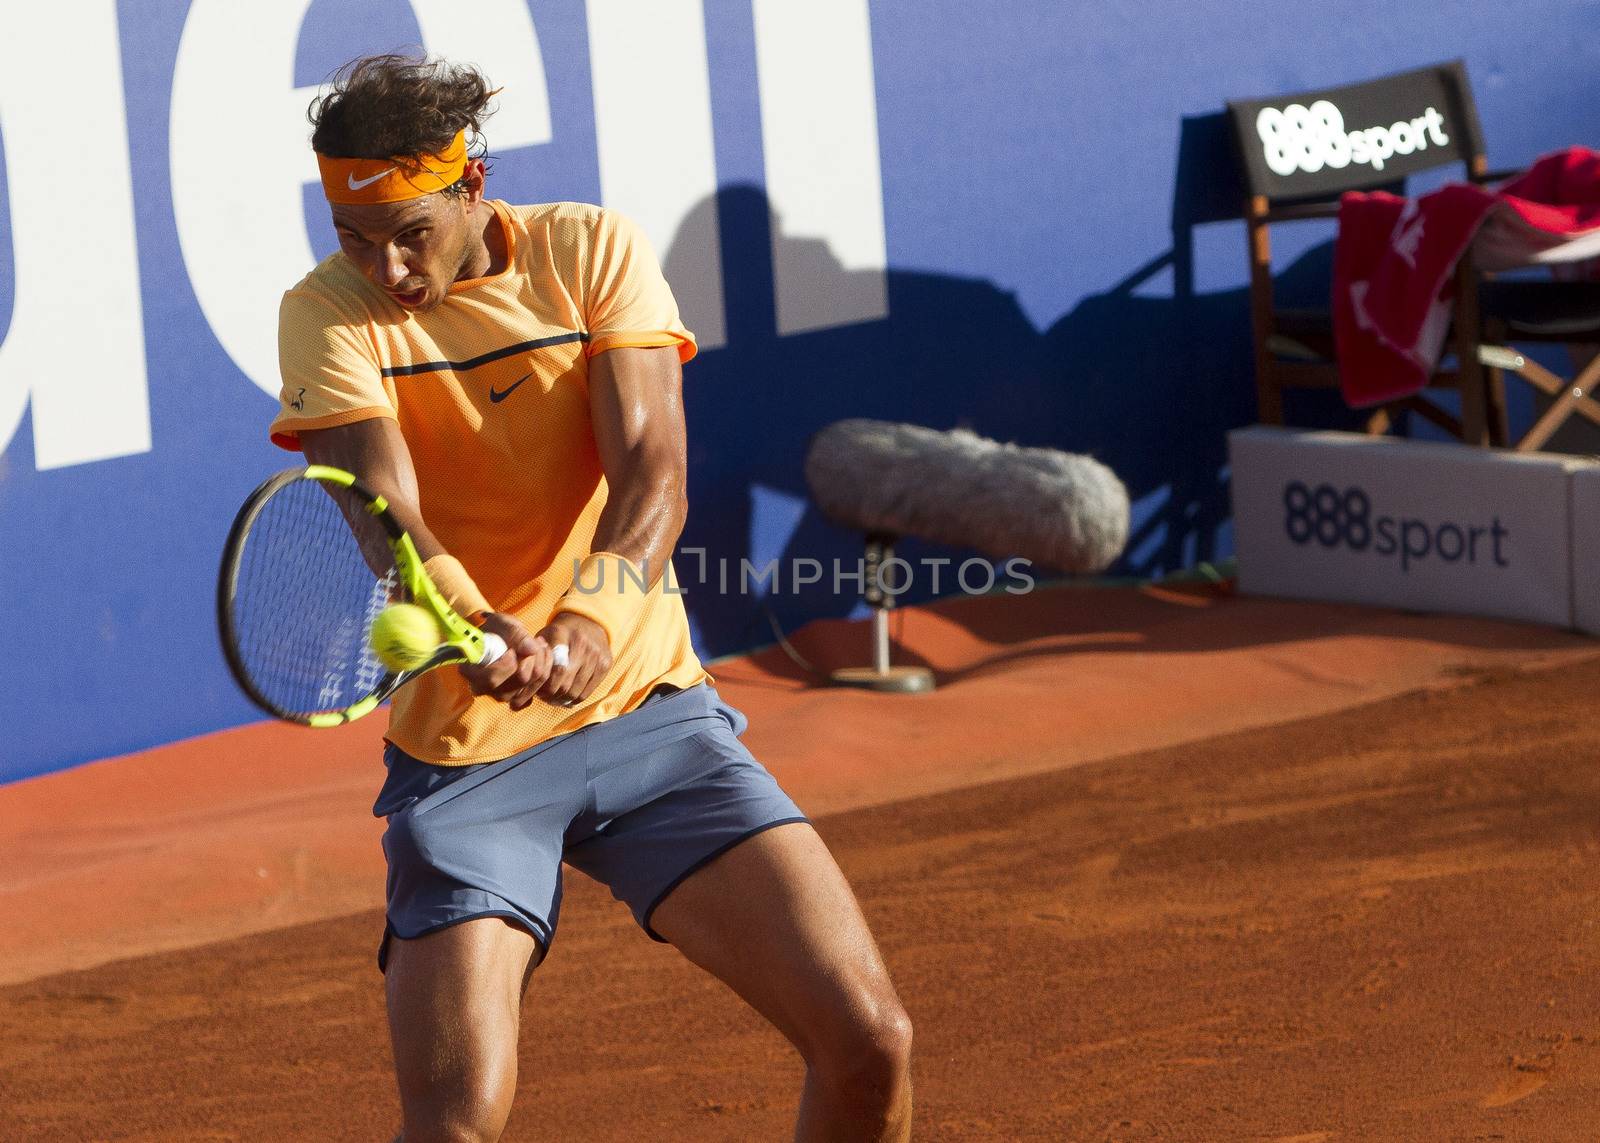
(1009, 216)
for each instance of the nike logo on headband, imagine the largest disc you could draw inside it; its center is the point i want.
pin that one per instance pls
(357, 184)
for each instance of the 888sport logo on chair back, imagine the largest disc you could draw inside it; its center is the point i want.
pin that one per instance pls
(1319, 143)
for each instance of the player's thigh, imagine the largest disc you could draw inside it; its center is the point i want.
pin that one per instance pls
(454, 1000)
(775, 919)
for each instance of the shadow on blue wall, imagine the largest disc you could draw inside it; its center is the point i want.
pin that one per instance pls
(754, 403)
(1148, 384)
(1157, 381)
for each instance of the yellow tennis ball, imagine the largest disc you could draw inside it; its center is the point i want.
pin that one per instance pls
(405, 636)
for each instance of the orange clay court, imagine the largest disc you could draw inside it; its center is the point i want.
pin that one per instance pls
(1150, 864)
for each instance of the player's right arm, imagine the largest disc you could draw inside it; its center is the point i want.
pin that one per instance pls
(375, 452)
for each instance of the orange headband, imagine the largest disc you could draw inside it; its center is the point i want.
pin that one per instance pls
(386, 180)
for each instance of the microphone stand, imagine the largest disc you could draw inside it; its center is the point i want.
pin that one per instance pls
(881, 676)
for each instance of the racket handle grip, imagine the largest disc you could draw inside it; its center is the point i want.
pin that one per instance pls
(493, 648)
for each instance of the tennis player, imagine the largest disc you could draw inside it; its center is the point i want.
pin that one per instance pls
(509, 378)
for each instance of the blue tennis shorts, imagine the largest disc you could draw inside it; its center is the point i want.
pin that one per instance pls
(638, 802)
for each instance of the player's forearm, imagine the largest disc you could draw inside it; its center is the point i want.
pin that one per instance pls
(636, 408)
(376, 455)
(644, 515)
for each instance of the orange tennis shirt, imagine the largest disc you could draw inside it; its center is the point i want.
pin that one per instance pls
(490, 390)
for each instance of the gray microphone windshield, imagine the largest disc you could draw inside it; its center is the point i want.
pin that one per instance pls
(1057, 509)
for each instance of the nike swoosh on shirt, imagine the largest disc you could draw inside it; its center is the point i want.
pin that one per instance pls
(498, 395)
(356, 184)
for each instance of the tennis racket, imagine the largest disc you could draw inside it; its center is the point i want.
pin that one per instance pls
(312, 559)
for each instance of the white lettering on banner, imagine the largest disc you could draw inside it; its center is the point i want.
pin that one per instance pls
(240, 162)
(659, 168)
(75, 285)
(499, 38)
(243, 236)
(819, 128)
(239, 158)
(1299, 138)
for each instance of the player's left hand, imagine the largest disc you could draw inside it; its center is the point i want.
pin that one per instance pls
(588, 659)
(515, 677)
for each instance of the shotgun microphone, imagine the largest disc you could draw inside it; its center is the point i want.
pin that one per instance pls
(1057, 509)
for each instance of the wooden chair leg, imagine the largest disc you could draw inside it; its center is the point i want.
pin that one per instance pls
(1469, 332)
(1545, 427)
(1575, 396)
(1583, 356)
(1494, 385)
(1428, 411)
(1269, 398)
(1499, 419)
(1269, 390)
(1474, 406)
(1587, 381)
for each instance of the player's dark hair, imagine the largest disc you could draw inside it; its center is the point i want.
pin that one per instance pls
(396, 106)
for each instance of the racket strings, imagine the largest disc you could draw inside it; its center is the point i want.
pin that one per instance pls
(305, 598)
(384, 591)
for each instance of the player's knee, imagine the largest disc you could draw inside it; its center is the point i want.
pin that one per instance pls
(889, 1032)
(467, 1113)
(870, 1056)
(448, 1133)
(465, 1104)
(444, 1133)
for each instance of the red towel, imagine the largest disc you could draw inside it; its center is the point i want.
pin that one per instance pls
(1394, 260)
